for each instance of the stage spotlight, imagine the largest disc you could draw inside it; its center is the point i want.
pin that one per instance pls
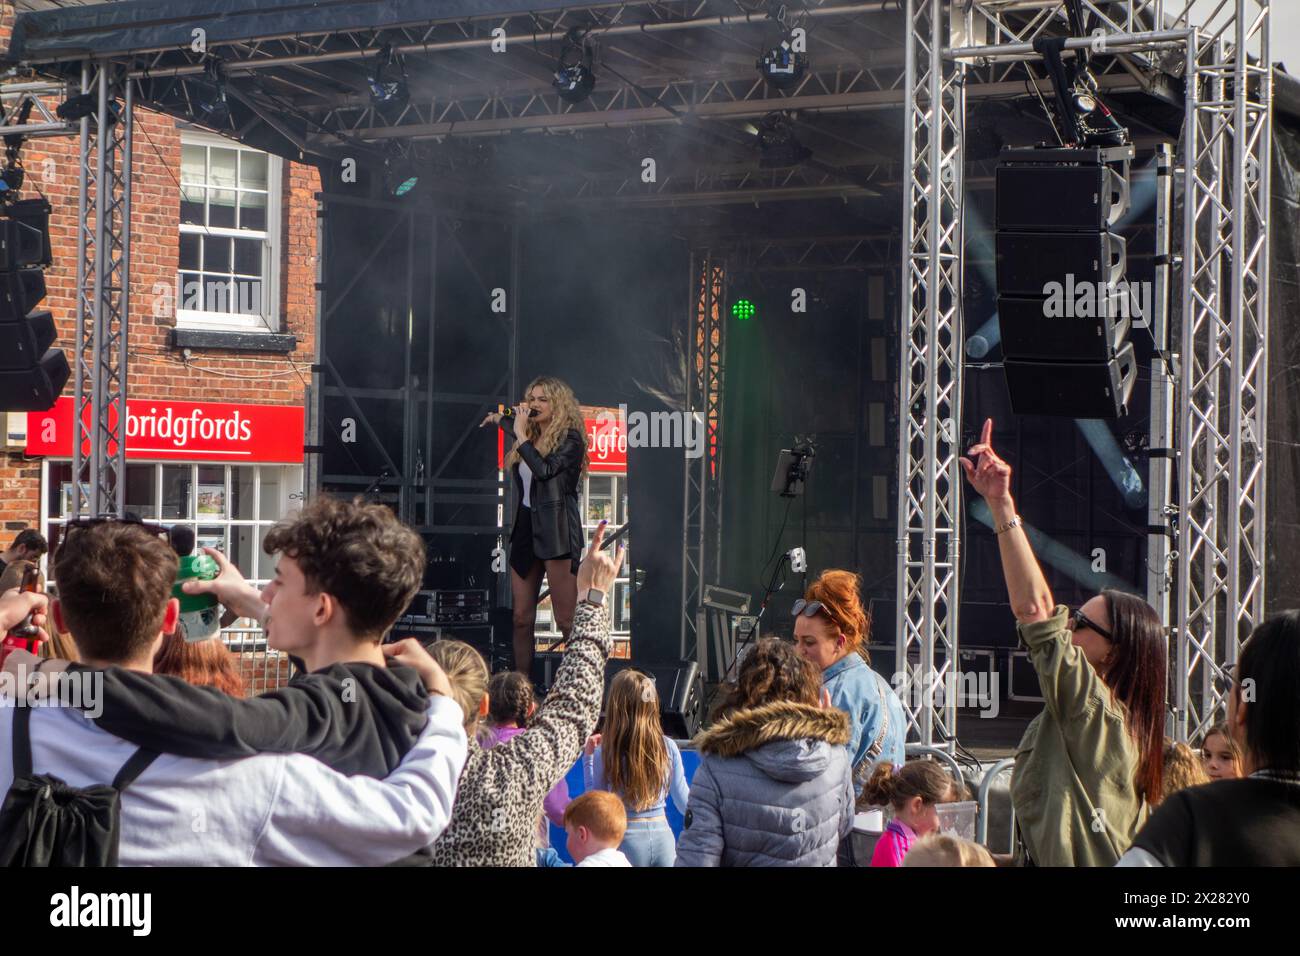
(75, 107)
(743, 310)
(210, 96)
(574, 76)
(781, 67)
(400, 175)
(778, 146)
(84, 104)
(387, 80)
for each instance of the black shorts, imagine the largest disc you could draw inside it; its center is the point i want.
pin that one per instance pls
(522, 553)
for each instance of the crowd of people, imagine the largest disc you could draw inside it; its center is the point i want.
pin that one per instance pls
(393, 753)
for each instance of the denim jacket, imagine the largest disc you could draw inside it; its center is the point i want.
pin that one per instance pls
(869, 701)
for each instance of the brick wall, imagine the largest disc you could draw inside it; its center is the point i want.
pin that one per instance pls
(155, 370)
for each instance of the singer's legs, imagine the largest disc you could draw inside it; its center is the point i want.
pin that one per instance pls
(523, 592)
(564, 592)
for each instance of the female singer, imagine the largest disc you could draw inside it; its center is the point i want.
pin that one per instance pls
(547, 463)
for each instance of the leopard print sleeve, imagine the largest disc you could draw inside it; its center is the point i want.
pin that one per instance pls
(555, 735)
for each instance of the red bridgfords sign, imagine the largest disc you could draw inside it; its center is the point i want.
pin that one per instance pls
(183, 431)
(606, 442)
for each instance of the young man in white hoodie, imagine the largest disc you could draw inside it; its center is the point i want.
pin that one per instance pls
(115, 582)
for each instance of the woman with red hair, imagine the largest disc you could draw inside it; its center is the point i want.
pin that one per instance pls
(201, 663)
(831, 628)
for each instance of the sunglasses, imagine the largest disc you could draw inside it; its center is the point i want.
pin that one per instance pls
(80, 524)
(807, 608)
(1078, 619)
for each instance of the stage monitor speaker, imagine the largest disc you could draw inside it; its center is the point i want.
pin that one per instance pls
(1072, 389)
(1033, 328)
(1029, 263)
(681, 694)
(1052, 198)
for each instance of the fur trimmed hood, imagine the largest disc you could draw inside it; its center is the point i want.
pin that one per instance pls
(754, 727)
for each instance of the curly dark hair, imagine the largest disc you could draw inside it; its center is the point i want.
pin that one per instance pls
(772, 671)
(359, 554)
(510, 698)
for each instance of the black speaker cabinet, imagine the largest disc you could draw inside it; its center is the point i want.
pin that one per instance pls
(1042, 198)
(1072, 389)
(1034, 328)
(1030, 262)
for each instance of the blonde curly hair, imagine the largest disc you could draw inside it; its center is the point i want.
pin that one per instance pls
(565, 414)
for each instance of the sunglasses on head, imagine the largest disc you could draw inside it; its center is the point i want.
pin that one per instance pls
(806, 608)
(80, 524)
(1078, 619)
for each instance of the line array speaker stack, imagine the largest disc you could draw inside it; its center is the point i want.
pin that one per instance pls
(32, 371)
(1063, 307)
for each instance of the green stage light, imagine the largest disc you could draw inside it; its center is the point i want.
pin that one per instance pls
(743, 309)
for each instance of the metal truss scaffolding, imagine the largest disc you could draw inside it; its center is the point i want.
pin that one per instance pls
(1220, 417)
(103, 270)
(930, 377)
(702, 481)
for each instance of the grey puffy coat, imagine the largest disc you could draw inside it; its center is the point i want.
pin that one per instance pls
(774, 788)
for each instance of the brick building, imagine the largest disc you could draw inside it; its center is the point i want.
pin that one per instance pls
(222, 309)
(220, 330)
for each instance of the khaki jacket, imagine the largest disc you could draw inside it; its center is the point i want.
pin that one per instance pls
(1074, 790)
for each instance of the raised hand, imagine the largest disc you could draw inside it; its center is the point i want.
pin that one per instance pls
(598, 569)
(987, 473)
(230, 588)
(410, 652)
(492, 418)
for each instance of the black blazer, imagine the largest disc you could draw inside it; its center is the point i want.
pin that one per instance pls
(553, 496)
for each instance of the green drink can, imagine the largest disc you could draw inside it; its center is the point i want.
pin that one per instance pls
(200, 613)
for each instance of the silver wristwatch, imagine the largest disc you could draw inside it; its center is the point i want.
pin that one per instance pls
(594, 597)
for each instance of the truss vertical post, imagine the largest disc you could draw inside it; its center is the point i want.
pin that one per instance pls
(1160, 467)
(930, 377)
(1224, 343)
(701, 481)
(103, 269)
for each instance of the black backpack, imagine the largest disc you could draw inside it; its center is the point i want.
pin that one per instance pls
(45, 822)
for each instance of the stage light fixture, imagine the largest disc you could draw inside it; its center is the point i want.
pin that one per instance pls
(210, 96)
(574, 76)
(781, 67)
(387, 80)
(76, 107)
(777, 143)
(743, 310)
(400, 174)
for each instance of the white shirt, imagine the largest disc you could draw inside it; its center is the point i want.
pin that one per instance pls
(269, 810)
(610, 856)
(526, 474)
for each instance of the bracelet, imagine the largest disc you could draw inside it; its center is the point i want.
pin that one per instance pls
(1015, 522)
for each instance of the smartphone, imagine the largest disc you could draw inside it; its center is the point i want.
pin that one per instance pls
(31, 583)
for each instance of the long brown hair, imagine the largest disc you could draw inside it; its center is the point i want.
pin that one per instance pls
(632, 743)
(1136, 677)
(565, 414)
(204, 663)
